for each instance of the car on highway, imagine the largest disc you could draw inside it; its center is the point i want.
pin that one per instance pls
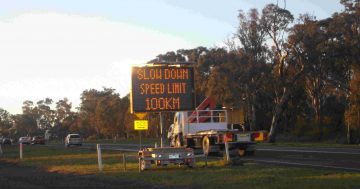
(73, 139)
(25, 140)
(38, 140)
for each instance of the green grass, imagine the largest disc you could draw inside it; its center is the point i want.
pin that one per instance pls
(249, 175)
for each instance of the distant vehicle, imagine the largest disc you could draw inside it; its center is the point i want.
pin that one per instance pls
(38, 140)
(25, 140)
(73, 139)
(6, 141)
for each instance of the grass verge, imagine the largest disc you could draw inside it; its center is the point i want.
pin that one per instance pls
(79, 161)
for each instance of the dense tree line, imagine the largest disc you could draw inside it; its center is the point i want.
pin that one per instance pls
(299, 78)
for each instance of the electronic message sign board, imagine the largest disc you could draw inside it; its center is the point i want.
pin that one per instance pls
(162, 88)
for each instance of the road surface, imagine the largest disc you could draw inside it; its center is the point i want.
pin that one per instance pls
(339, 158)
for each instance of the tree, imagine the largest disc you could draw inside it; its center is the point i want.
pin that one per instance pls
(24, 125)
(108, 113)
(352, 115)
(308, 41)
(252, 72)
(5, 122)
(86, 123)
(275, 23)
(44, 114)
(102, 113)
(65, 118)
(350, 43)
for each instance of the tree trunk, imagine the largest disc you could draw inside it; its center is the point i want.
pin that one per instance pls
(277, 114)
(253, 118)
(348, 133)
(318, 120)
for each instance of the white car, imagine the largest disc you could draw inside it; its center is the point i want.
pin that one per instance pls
(73, 139)
(25, 140)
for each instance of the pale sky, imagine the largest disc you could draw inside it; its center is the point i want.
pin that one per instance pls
(60, 48)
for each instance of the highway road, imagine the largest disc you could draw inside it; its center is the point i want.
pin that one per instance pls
(339, 158)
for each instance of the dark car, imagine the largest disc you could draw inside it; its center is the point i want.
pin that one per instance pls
(6, 141)
(38, 140)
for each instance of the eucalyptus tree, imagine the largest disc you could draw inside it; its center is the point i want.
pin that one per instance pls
(45, 116)
(101, 113)
(65, 118)
(24, 125)
(349, 24)
(252, 72)
(6, 122)
(276, 24)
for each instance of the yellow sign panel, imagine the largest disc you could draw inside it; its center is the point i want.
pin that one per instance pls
(141, 125)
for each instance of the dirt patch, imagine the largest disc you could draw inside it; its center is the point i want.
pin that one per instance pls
(14, 176)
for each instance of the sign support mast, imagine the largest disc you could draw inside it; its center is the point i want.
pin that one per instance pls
(161, 130)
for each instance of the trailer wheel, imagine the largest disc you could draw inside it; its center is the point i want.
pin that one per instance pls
(206, 145)
(142, 165)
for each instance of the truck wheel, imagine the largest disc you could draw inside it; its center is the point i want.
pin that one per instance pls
(206, 145)
(242, 152)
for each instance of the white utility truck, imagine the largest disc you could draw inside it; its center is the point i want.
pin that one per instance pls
(208, 130)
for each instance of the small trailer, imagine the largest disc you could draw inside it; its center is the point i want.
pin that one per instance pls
(165, 156)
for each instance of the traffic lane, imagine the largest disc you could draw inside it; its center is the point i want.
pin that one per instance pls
(317, 159)
(325, 150)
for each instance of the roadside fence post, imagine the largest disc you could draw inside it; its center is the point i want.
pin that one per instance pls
(99, 157)
(227, 151)
(124, 162)
(206, 160)
(21, 150)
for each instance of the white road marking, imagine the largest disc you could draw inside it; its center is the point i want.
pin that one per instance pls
(306, 151)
